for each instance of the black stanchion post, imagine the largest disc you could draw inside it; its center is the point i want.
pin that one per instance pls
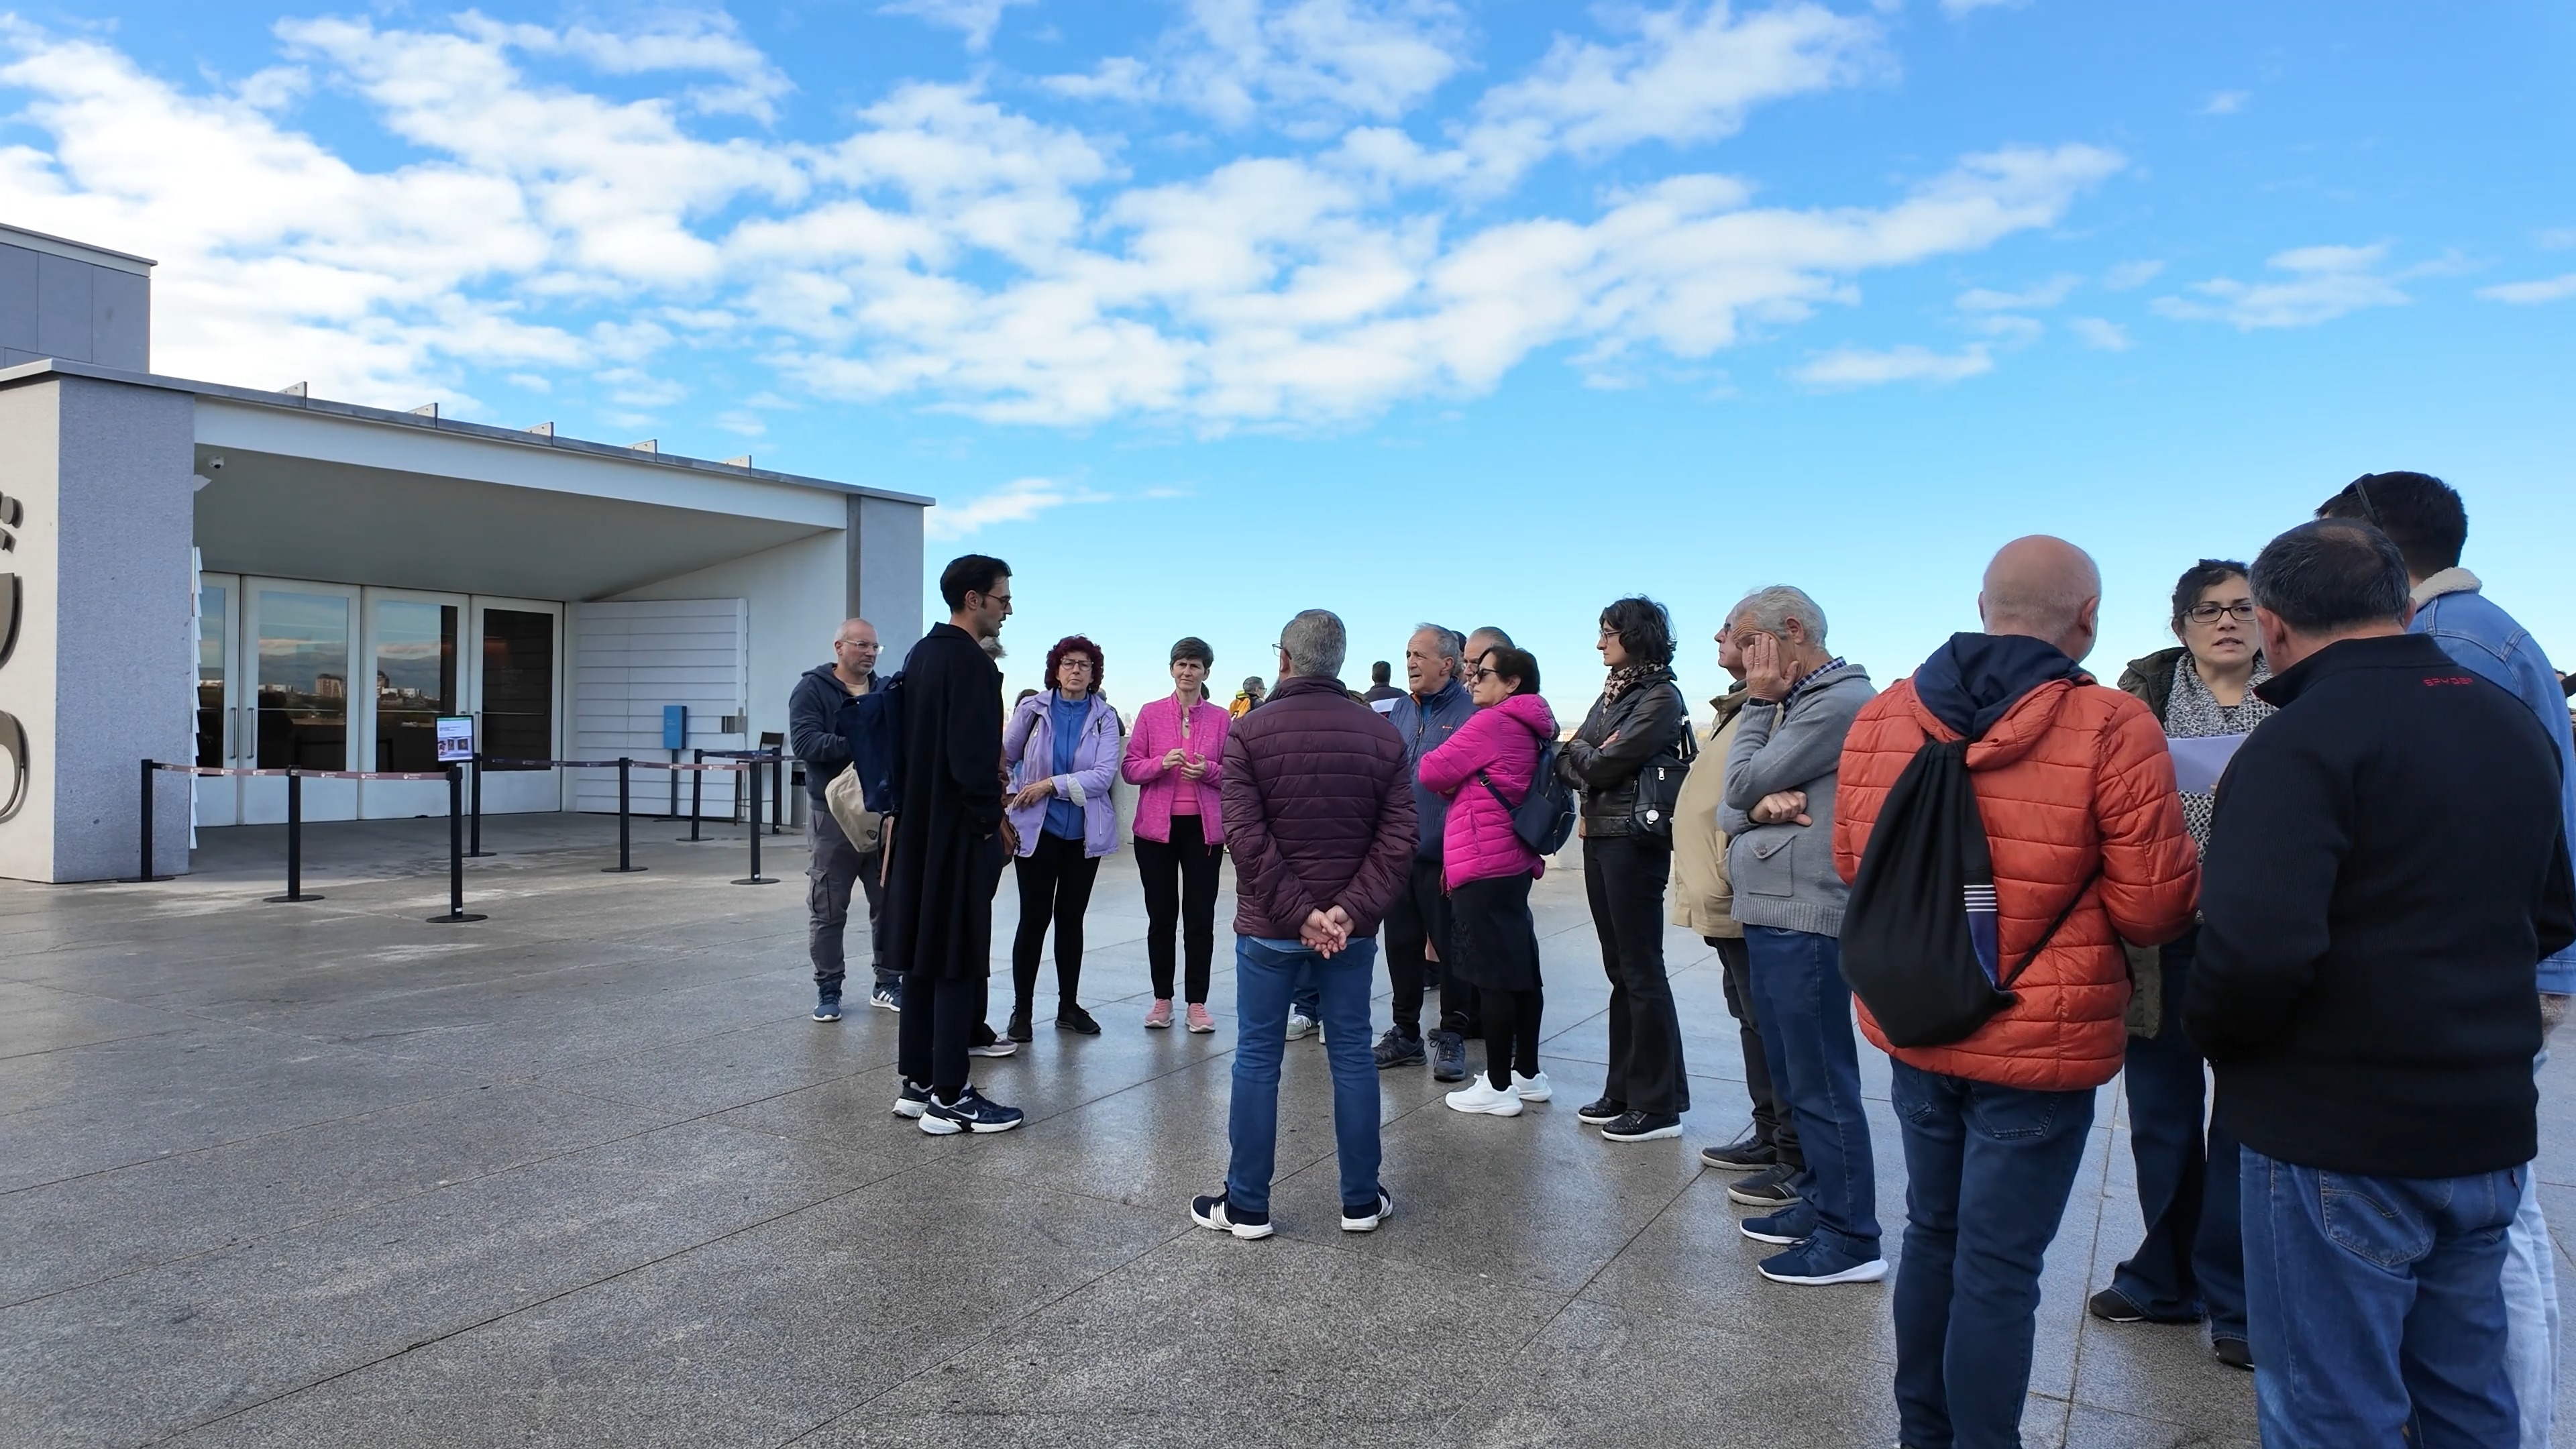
(143, 860)
(751, 772)
(294, 841)
(675, 789)
(697, 796)
(625, 863)
(474, 843)
(777, 793)
(456, 913)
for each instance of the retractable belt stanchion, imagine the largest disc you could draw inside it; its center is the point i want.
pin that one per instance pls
(456, 912)
(697, 795)
(143, 860)
(474, 847)
(751, 773)
(294, 841)
(777, 793)
(625, 862)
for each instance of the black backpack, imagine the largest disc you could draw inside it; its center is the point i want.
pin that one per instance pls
(1545, 817)
(872, 725)
(1919, 938)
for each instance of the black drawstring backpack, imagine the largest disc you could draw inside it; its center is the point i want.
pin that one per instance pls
(1919, 938)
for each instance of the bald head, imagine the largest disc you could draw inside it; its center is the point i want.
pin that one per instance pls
(854, 652)
(2045, 588)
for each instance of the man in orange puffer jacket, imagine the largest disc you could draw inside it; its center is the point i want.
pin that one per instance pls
(2076, 787)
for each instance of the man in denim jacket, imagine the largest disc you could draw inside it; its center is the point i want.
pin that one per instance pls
(2424, 517)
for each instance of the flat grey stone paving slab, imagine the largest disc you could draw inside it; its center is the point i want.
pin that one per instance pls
(584, 1174)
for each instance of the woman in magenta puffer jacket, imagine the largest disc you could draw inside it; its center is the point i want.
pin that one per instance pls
(1491, 760)
(1173, 759)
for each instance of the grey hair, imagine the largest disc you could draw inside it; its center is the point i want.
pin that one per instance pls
(1315, 642)
(1452, 644)
(1771, 609)
(2331, 574)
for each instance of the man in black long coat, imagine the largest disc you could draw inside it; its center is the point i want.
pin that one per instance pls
(948, 851)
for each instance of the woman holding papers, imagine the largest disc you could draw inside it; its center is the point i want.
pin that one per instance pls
(2192, 1264)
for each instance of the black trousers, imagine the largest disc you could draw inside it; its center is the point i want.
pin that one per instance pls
(1420, 914)
(939, 1018)
(1179, 877)
(1511, 1033)
(1772, 1124)
(1055, 888)
(1623, 877)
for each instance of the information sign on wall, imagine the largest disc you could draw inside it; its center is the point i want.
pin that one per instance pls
(455, 738)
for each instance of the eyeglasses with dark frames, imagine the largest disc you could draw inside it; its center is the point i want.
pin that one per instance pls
(2242, 613)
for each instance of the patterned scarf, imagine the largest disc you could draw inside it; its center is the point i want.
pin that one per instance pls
(2193, 713)
(1635, 676)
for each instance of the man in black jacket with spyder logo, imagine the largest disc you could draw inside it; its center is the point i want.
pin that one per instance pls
(2386, 869)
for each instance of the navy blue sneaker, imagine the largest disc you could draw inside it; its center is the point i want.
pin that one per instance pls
(1213, 1212)
(1366, 1217)
(1448, 1057)
(1813, 1264)
(1794, 1224)
(912, 1100)
(828, 1008)
(887, 997)
(969, 1113)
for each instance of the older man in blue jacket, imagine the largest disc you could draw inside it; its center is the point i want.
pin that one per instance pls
(1436, 702)
(2426, 520)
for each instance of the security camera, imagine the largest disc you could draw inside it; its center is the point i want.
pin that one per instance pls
(215, 464)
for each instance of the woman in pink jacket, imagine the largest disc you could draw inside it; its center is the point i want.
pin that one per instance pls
(1180, 835)
(1491, 760)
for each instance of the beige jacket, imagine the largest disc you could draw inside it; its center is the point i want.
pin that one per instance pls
(1702, 897)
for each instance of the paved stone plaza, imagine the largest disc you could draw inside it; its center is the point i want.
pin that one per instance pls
(583, 1173)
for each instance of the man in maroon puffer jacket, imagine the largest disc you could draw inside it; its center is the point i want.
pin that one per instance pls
(1319, 819)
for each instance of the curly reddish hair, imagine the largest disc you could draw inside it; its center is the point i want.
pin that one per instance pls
(1074, 644)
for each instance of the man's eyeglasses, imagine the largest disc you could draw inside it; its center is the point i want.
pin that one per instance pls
(2242, 613)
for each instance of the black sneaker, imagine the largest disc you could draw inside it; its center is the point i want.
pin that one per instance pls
(1768, 1188)
(1448, 1057)
(1213, 1212)
(1642, 1127)
(1395, 1049)
(828, 1009)
(969, 1113)
(1365, 1219)
(2236, 1353)
(1019, 1028)
(1074, 1018)
(912, 1101)
(1748, 1153)
(1605, 1109)
(2113, 1306)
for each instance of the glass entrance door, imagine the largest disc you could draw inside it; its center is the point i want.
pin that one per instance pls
(517, 693)
(415, 672)
(298, 639)
(218, 697)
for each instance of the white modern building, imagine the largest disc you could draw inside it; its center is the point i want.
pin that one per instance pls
(252, 577)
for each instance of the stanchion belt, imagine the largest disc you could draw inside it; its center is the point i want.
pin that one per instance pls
(306, 774)
(603, 765)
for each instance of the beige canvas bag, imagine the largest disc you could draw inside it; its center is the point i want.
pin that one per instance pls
(850, 811)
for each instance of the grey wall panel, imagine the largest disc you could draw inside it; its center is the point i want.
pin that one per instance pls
(886, 570)
(64, 299)
(121, 320)
(17, 298)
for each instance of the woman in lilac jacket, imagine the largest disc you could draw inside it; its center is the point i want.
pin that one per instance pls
(1491, 760)
(1062, 747)
(1180, 834)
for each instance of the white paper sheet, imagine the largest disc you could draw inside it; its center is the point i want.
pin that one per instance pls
(2198, 763)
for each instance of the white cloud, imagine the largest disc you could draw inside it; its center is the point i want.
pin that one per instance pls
(1233, 58)
(2557, 238)
(977, 19)
(2553, 289)
(2129, 275)
(2096, 333)
(2044, 294)
(2323, 283)
(672, 41)
(1846, 367)
(2225, 103)
(1017, 501)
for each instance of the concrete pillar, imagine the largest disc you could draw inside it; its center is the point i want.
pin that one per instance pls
(886, 572)
(101, 671)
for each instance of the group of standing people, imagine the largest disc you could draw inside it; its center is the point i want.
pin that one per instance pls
(2320, 848)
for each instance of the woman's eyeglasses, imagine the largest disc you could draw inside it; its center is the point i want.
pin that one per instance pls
(2208, 613)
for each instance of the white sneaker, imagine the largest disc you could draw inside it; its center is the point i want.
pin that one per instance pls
(1533, 1089)
(1300, 1025)
(1480, 1096)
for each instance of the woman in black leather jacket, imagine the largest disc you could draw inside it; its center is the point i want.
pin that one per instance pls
(1640, 719)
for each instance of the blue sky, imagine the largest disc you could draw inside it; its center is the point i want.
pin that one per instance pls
(1200, 313)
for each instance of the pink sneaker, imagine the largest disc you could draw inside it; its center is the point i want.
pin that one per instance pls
(1200, 1021)
(1160, 1018)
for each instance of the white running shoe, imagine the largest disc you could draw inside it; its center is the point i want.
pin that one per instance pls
(1300, 1025)
(1480, 1096)
(1533, 1089)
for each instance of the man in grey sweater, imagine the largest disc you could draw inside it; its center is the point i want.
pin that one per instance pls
(1779, 811)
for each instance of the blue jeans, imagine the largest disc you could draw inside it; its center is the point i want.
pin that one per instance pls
(1804, 1009)
(2377, 1307)
(1264, 975)
(2531, 1310)
(2193, 1258)
(1987, 1171)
